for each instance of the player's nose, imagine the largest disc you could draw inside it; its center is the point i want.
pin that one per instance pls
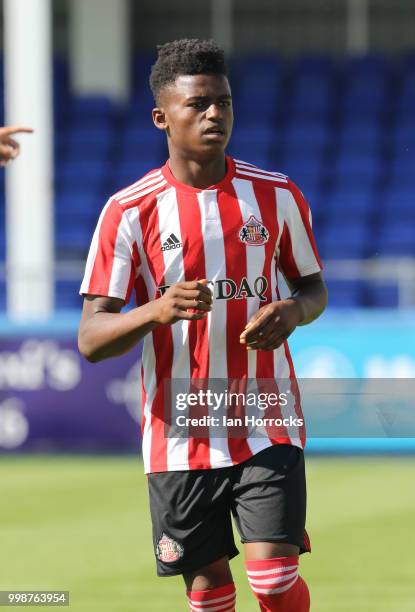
(214, 112)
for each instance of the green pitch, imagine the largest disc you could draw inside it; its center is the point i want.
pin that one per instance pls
(81, 524)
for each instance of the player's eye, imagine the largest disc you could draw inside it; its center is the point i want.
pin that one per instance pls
(197, 105)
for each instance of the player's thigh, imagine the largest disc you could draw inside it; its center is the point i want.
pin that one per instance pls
(210, 576)
(191, 520)
(255, 551)
(269, 500)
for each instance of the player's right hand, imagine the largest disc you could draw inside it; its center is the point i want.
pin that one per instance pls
(189, 300)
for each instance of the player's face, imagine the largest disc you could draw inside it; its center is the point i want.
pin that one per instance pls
(196, 113)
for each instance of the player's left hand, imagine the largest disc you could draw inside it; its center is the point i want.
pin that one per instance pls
(271, 325)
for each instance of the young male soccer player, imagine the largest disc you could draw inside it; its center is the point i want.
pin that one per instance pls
(199, 241)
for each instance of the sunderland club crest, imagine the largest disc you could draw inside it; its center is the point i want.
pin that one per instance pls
(168, 550)
(253, 232)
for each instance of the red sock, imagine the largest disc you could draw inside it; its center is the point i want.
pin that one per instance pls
(221, 599)
(277, 585)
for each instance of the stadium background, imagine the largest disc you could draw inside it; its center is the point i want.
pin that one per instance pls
(324, 91)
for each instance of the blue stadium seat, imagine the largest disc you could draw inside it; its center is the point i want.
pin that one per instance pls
(260, 134)
(406, 103)
(60, 84)
(255, 85)
(345, 238)
(67, 294)
(314, 64)
(345, 294)
(317, 202)
(396, 237)
(3, 296)
(408, 62)
(318, 232)
(259, 64)
(402, 166)
(75, 170)
(407, 90)
(352, 201)
(89, 107)
(147, 136)
(359, 167)
(403, 138)
(93, 135)
(78, 206)
(75, 173)
(259, 92)
(303, 166)
(398, 202)
(135, 154)
(305, 134)
(307, 183)
(312, 95)
(405, 120)
(2, 242)
(402, 183)
(141, 66)
(401, 151)
(367, 65)
(249, 140)
(142, 102)
(366, 96)
(72, 240)
(360, 136)
(92, 141)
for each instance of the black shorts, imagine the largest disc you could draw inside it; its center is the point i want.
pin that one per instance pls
(191, 510)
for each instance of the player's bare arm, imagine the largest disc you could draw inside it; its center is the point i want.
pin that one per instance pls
(271, 325)
(10, 148)
(106, 332)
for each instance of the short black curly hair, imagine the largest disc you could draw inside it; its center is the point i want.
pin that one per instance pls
(185, 56)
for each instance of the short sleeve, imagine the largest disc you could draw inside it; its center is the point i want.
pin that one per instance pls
(113, 260)
(296, 250)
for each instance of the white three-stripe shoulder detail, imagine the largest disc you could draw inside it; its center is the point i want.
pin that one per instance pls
(251, 168)
(147, 180)
(265, 177)
(143, 192)
(137, 184)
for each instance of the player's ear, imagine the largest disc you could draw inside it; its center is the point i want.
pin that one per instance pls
(159, 118)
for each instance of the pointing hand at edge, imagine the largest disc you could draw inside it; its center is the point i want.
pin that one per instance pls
(10, 148)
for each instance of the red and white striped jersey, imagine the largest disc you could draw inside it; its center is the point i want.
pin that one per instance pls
(236, 234)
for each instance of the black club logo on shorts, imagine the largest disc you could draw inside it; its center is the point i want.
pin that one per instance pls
(168, 550)
(253, 232)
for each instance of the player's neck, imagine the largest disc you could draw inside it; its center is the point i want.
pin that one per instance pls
(198, 174)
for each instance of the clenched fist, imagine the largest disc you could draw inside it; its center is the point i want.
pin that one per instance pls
(189, 300)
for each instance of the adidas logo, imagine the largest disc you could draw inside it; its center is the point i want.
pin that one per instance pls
(172, 242)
